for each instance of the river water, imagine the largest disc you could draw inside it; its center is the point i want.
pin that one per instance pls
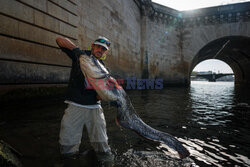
(211, 119)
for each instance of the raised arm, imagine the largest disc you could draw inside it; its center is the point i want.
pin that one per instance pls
(65, 43)
(67, 46)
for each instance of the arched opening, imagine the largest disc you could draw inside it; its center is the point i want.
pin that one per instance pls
(212, 70)
(233, 50)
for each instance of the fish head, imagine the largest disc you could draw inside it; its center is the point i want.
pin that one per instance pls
(91, 67)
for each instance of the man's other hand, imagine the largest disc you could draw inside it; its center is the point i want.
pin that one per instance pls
(98, 97)
(65, 43)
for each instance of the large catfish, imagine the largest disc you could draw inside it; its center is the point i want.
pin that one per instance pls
(109, 90)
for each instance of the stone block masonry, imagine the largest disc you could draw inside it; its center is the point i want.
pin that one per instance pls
(148, 40)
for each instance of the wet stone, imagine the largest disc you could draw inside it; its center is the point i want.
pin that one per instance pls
(7, 156)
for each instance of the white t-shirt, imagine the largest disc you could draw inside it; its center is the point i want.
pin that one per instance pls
(94, 106)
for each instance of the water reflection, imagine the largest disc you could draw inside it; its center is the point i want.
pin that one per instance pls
(210, 102)
(211, 119)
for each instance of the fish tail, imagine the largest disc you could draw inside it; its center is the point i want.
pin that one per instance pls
(134, 123)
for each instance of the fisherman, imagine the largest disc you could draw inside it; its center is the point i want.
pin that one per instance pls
(84, 106)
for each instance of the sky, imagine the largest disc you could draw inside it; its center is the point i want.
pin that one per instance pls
(213, 65)
(194, 4)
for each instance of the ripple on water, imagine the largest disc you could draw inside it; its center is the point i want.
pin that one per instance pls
(210, 119)
(134, 158)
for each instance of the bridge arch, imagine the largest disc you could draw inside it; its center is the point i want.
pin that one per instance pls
(233, 50)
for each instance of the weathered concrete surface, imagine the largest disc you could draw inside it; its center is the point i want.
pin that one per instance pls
(163, 51)
(148, 40)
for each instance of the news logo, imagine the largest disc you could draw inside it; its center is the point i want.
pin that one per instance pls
(131, 83)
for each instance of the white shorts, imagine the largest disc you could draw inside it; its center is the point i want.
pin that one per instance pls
(73, 121)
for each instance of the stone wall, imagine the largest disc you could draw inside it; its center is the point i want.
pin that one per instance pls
(120, 22)
(163, 46)
(29, 54)
(148, 40)
(28, 51)
(175, 40)
(221, 33)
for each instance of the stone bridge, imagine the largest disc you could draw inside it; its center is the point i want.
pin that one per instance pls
(178, 41)
(148, 40)
(212, 77)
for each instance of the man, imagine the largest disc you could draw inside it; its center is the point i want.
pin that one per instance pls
(84, 108)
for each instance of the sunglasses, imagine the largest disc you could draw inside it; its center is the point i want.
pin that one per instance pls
(103, 41)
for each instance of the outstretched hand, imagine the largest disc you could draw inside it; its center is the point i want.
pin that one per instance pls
(65, 43)
(98, 97)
